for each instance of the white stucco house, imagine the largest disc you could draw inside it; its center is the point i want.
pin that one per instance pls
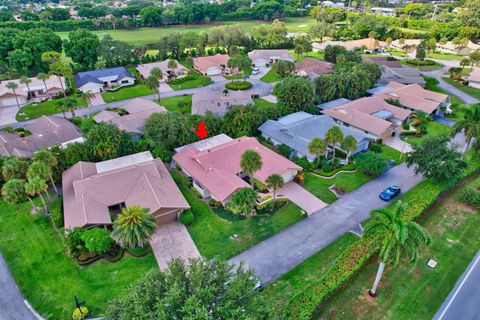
(101, 80)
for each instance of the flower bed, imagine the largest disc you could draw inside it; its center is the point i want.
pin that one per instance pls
(238, 85)
(351, 167)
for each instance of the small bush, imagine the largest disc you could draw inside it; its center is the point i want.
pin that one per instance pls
(259, 185)
(214, 203)
(416, 62)
(375, 148)
(371, 163)
(186, 217)
(97, 240)
(284, 150)
(299, 178)
(238, 85)
(304, 163)
(183, 79)
(471, 197)
(327, 168)
(56, 215)
(405, 126)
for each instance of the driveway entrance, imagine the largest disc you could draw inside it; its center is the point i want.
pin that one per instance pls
(397, 144)
(172, 241)
(301, 197)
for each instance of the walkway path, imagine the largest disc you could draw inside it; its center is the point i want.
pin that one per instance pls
(12, 306)
(283, 251)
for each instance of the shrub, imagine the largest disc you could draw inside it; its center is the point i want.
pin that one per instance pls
(347, 167)
(304, 163)
(186, 217)
(416, 62)
(97, 240)
(284, 150)
(375, 148)
(271, 206)
(327, 168)
(405, 126)
(238, 85)
(371, 163)
(73, 242)
(299, 178)
(56, 215)
(214, 203)
(471, 197)
(260, 186)
(183, 79)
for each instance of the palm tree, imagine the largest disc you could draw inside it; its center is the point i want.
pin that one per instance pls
(394, 237)
(35, 187)
(13, 86)
(172, 64)
(152, 83)
(250, 163)
(40, 170)
(48, 158)
(334, 136)
(70, 104)
(470, 125)
(317, 147)
(274, 182)
(60, 106)
(88, 96)
(14, 168)
(44, 77)
(157, 73)
(13, 191)
(349, 144)
(26, 81)
(134, 227)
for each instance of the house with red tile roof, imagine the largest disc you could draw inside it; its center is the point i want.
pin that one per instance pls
(212, 65)
(368, 43)
(312, 68)
(214, 165)
(92, 191)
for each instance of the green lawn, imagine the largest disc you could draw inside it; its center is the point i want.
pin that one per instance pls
(433, 129)
(213, 234)
(278, 292)
(261, 103)
(271, 76)
(388, 153)
(309, 55)
(346, 181)
(31, 111)
(474, 92)
(136, 90)
(47, 278)
(412, 290)
(171, 104)
(435, 88)
(152, 35)
(198, 81)
(431, 67)
(445, 56)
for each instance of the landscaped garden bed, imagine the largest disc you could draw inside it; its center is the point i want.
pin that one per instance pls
(238, 85)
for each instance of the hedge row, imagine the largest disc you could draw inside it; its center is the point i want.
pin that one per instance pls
(304, 304)
(347, 167)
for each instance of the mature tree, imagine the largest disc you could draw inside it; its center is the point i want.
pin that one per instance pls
(20, 60)
(228, 37)
(243, 201)
(470, 14)
(334, 136)
(209, 289)
(35, 187)
(394, 237)
(435, 159)
(133, 227)
(420, 55)
(151, 16)
(48, 158)
(172, 45)
(61, 107)
(274, 182)
(12, 86)
(104, 141)
(271, 36)
(13, 191)
(268, 10)
(168, 130)
(250, 163)
(284, 68)
(325, 88)
(40, 170)
(242, 120)
(71, 105)
(43, 77)
(14, 168)
(317, 147)
(115, 52)
(173, 65)
(57, 67)
(370, 163)
(26, 81)
(83, 47)
(321, 30)
(295, 94)
(153, 83)
(470, 125)
(157, 73)
(349, 144)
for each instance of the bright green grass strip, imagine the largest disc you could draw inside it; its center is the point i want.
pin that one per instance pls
(271, 76)
(32, 111)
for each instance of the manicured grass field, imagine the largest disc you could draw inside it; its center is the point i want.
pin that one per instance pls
(214, 235)
(171, 104)
(153, 35)
(271, 76)
(388, 153)
(137, 90)
(445, 56)
(261, 103)
(48, 279)
(433, 129)
(31, 111)
(474, 92)
(412, 290)
(346, 181)
(292, 282)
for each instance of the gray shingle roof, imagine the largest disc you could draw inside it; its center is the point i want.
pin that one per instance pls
(298, 129)
(85, 77)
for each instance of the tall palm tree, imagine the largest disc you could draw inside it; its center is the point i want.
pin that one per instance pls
(334, 136)
(14, 168)
(61, 106)
(153, 84)
(44, 77)
(394, 237)
(88, 96)
(26, 81)
(13, 191)
(134, 227)
(12, 86)
(250, 163)
(157, 73)
(349, 144)
(470, 125)
(35, 187)
(317, 147)
(40, 170)
(71, 105)
(48, 158)
(172, 64)
(274, 182)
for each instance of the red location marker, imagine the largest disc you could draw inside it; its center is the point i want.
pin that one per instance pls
(201, 131)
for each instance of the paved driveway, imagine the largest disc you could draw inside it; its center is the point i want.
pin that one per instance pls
(301, 197)
(12, 306)
(172, 241)
(97, 100)
(7, 115)
(263, 71)
(462, 302)
(288, 248)
(397, 144)
(164, 87)
(438, 74)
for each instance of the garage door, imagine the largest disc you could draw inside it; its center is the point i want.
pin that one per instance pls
(213, 71)
(260, 62)
(166, 218)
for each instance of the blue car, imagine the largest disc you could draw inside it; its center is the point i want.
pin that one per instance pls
(389, 193)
